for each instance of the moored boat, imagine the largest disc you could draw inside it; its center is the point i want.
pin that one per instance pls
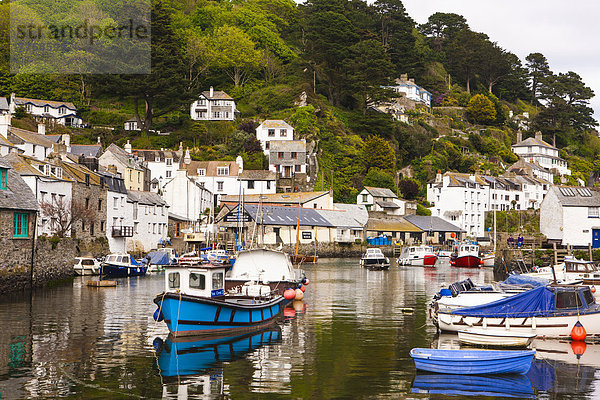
(466, 255)
(194, 303)
(488, 259)
(122, 265)
(422, 255)
(87, 266)
(571, 270)
(473, 362)
(495, 338)
(374, 259)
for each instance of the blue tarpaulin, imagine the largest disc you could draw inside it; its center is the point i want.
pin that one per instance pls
(133, 261)
(158, 258)
(522, 280)
(534, 302)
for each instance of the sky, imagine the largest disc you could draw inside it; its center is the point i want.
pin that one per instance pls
(565, 32)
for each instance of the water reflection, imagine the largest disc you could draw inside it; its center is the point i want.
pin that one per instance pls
(506, 385)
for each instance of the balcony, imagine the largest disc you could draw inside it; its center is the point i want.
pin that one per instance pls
(122, 231)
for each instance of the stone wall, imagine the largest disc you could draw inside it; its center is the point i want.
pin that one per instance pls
(326, 250)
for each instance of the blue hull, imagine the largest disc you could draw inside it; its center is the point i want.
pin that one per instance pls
(193, 315)
(178, 358)
(508, 385)
(473, 362)
(120, 271)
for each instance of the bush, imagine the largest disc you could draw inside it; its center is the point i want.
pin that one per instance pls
(421, 210)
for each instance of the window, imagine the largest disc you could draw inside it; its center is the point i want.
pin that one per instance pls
(169, 161)
(267, 145)
(283, 132)
(280, 155)
(99, 204)
(294, 155)
(197, 281)
(154, 228)
(219, 186)
(92, 229)
(200, 114)
(135, 227)
(139, 176)
(201, 172)
(168, 174)
(297, 168)
(83, 226)
(174, 280)
(568, 299)
(217, 281)
(87, 203)
(268, 184)
(222, 171)
(364, 198)
(116, 203)
(62, 110)
(250, 184)
(101, 226)
(20, 225)
(87, 179)
(593, 212)
(3, 178)
(271, 132)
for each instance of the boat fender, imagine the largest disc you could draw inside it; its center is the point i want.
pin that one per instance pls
(299, 294)
(157, 343)
(578, 332)
(289, 294)
(484, 323)
(578, 348)
(593, 289)
(507, 324)
(533, 323)
(158, 315)
(305, 281)
(302, 287)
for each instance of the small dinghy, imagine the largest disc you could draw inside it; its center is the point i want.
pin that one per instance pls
(473, 362)
(495, 338)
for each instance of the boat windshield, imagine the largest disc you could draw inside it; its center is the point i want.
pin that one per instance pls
(588, 296)
(217, 281)
(568, 299)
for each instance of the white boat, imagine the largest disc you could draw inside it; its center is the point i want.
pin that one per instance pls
(122, 264)
(191, 258)
(548, 311)
(488, 259)
(271, 267)
(495, 337)
(444, 253)
(374, 259)
(571, 270)
(86, 266)
(466, 255)
(422, 256)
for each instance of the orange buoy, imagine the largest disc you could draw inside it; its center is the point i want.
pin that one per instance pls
(289, 294)
(452, 235)
(298, 305)
(578, 332)
(303, 288)
(299, 294)
(578, 347)
(289, 312)
(593, 289)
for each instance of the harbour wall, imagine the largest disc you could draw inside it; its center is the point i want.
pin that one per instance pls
(334, 250)
(53, 261)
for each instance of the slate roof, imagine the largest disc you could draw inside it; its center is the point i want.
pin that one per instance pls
(356, 211)
(577, 196)
(26, 166)
(145, 198)
(3, 104)
(17, 196)
(123, 157)
(41, 103)
(434, 223)
(391, 224)
(92, 150)
(156, 155)
(380, 192)
(283, 198)
(298, 146)
(387, 204)
(257, 175)
(286, 216)
(275, 123)
(77, 172)
(534, 142)
(112, 182)
(21, 136)
(210, 167)
(5, 142)
(340, 219)
(217, 95)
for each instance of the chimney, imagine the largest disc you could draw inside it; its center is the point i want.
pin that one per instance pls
(41, 129)
(127, 147)
(187, 160)
(4, 124)
(66, 139)
(211, 92)
(519, 136)
(438, 176)
(538, 135)
(240, 162)
(404, 77)
(12, 106)
(98, 140)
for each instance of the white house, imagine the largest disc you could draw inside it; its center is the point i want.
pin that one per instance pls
(287, 157)
(162, 165)
(213, 105)
(47, 183)
(273, 129)
(533, 170)
(219, 177)
(131, 125)
(59, 112)
(186, 197)
(119, 212)
(383, 199)
(536, 150)
(571, 215)
(411, 90)
(258, 182)
(150, 220)
(32, 144)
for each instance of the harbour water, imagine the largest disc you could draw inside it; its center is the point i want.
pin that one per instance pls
(349, 338)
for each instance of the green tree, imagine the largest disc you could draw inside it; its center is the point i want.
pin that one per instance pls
(481, 109)
(409, 188)
(378, 178)
(378, 153)
(538, 69)
(465, 53)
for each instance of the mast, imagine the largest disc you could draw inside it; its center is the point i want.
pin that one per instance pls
(494, 229)
(298, 229)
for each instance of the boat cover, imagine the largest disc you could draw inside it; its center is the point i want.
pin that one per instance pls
(133, 261)
(522, 280)
(158, 258)
(532, 303)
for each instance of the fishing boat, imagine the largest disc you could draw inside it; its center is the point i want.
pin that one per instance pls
(159, 258)
(191, 258)
(194, 303)
(473, 362)
(374, 259)
(122, 264)
(444, 253)
(501, 386)
(495, 338)
(488, 259)
(265, 266)
(422, 256)
(548, 311)
(87, 266)
(571, 270)
(215, 256)
(466, 255)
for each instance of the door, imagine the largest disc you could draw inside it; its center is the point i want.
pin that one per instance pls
(596, 238)
(287, 171)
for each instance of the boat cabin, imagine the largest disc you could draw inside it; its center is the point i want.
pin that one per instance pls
(118, 259)
(580, 266)
(204, 280)
(467, 249)
(374, 253)
(573, 297)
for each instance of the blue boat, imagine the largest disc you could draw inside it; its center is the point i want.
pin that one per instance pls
(473, 362)
(189, 356)
(505, 385)
(122, 265)
(194, 303)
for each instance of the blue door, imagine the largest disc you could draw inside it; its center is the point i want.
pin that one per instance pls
(596, 238)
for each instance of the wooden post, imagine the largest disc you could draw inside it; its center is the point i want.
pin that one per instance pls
(555, 255)
(590, 251)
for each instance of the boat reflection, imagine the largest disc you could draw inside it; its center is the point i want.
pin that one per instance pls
(503, 385)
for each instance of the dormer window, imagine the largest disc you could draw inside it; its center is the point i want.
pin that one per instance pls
(271, 133)
(169, 161)
(46, 109)
(3, 178)
(222, 171)
(201, 172)
(62, 110)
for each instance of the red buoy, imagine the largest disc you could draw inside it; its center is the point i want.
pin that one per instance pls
(289, 294)
(578, 332)
(578, 347)
(289, 312)
(303, 288)
(593, 289)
